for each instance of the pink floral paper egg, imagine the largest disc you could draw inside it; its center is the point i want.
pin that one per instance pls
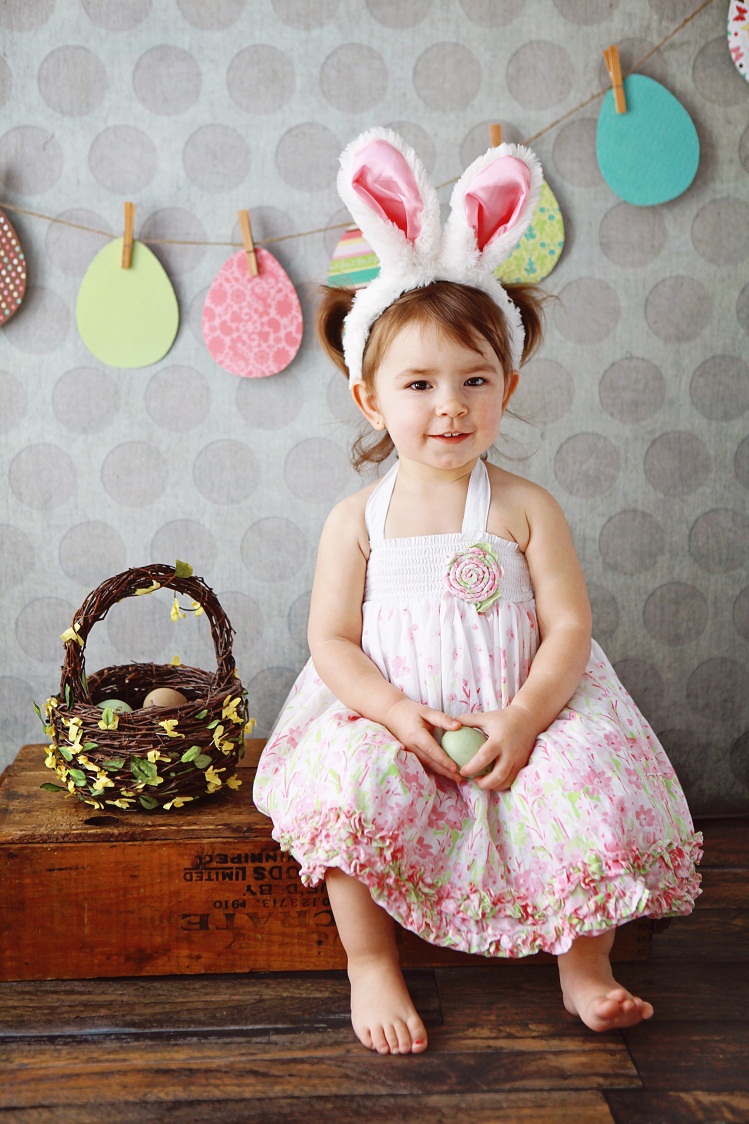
(12, 270)
(252, 326)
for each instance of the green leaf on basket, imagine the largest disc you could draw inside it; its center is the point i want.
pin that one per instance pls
(202, 762)
(90, 745)
(191, 753)
(39, 714)
(49, 787)
(68, 696)
(67, 753)
(143, 770)
(182, 569)
(84, 681)
(113, 765)
(212, 725)
(148, 801)
(201, 714)
(77, 775)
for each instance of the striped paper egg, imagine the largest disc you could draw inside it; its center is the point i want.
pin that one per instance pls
(354, 262)
(12, 270)
(540, 248)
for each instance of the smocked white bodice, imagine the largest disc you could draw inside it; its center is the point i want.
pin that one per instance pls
(407, 569)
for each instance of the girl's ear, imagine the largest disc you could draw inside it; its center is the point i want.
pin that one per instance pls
(385, 187)
(510, 387)
(491, 207)
(367, 403)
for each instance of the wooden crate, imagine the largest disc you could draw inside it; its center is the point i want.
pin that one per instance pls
(86, 894)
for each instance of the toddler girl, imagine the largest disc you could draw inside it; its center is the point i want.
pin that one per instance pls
(448, 595)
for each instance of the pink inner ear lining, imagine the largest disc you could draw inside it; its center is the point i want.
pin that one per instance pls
(495, 198)
(382, 178)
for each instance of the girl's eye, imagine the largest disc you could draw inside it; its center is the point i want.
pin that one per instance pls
(476, 380)
(420, 384)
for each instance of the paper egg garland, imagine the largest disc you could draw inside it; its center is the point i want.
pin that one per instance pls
(355, 264)
(540, 248)
(649, 154)
(127, 317)
(252, 326)
(738, 36)
(12, 270)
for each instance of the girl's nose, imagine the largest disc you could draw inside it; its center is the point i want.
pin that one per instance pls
(451, 405)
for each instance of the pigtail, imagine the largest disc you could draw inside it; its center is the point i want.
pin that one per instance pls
(529, 301)
(332, 311)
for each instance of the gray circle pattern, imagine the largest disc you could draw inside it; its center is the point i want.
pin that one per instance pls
(633, 413)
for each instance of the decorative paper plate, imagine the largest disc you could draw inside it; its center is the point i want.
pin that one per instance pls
(252, 326)
(12, 270)
(354, 262)
(649, 154)
(127, 317)
(540, 248)
(738, 36)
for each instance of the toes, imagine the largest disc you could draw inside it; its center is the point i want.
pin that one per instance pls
(418, 1035)
(391, 1037)
(379, 1041)
(404, 1037)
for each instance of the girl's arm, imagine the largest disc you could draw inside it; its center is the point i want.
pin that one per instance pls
(564, 623)
(335, 633)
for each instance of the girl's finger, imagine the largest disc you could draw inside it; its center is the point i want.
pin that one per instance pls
(434, 756)
(443, 721)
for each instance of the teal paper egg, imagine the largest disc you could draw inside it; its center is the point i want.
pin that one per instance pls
(649, 154)
(463, 744)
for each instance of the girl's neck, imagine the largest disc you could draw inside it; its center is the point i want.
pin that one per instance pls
(428, 501)
(424, 477)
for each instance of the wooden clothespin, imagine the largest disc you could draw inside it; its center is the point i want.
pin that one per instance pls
(127, 237)
(611, 55)
(495, 134)
(249, 245)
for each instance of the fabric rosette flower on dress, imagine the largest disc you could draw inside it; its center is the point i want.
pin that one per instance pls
(473, 575)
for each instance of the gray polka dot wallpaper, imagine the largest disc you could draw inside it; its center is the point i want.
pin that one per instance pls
(634, 414)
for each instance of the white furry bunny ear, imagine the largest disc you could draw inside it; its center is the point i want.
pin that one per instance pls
(385, 187)
(490, 209)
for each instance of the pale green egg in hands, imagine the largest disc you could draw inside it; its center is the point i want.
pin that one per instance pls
(463, 744)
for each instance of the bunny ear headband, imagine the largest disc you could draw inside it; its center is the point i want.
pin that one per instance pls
(385, 187)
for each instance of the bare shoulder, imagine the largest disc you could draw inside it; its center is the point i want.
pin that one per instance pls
(346, 524)
(520, 505)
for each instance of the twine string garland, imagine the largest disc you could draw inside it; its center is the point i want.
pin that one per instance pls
(342, 226)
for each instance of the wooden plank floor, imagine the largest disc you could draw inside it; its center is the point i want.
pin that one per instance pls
(279, 1047)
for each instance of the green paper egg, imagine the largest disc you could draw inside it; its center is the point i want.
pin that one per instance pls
(354, 262)
(540, 248)
(463, 744)
(115, 705)
(649, 154)
(127, 317)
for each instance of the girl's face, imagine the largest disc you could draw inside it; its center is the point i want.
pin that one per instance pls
(441, 402)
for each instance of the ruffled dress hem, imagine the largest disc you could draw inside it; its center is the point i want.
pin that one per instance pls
(595, 895)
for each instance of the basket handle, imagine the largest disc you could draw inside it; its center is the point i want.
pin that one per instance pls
(128, 584)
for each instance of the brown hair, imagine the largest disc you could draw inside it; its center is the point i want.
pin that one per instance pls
(465, 314)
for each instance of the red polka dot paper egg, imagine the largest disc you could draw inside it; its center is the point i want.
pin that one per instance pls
(12, 270)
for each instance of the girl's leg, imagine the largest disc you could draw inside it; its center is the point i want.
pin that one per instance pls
(382, 1014)
(590, 990)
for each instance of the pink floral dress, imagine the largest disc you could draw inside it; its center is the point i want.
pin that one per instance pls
(595, 830)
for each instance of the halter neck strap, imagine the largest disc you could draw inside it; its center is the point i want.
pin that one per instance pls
(475, 515)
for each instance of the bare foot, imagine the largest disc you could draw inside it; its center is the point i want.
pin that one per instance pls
(382, 1014)
(590, 991)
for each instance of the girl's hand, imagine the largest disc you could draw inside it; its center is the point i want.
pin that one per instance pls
(510, 736)
(412, 724)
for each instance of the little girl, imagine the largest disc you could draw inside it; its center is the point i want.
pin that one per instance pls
(448, 595)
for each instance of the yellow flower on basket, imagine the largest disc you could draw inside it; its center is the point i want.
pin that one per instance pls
(170, 725)
(249, 725)
(147, 589)
(153, 755)
(177, 802)
(102, 782)
(220, 742)
(176, 612)
(72, 634)
(233, 782)
(176, 661)
(50, 760)
(198, 608)
(120, 803)
(213, 778)
(229, 710)
(109, 720)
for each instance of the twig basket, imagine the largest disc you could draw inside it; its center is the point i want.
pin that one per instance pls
(150, 758)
